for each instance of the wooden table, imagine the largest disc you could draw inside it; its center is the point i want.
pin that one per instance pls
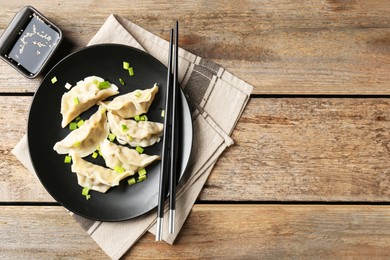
(309, 174)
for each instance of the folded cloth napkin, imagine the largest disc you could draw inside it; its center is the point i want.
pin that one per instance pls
(217, 99)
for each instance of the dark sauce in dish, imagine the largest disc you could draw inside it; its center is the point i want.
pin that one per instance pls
(34, 45)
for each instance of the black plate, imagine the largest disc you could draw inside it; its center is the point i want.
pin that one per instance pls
(44, 130)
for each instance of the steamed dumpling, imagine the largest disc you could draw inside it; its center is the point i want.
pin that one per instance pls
(133, 104)
(127, 131)
(96, 177)
(85, 140)
(124, 157)
(83, 96)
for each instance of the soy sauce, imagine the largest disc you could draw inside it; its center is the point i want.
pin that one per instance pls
(34, 45)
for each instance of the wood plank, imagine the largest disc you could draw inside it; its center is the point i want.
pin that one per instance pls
(16, 183)
(307, 149)
(256, 231)
(37, 232)
(277, 232)
(286, 149)
(289, 47)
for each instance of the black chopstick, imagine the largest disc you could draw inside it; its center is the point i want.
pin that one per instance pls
(170, 139)
(174, 137)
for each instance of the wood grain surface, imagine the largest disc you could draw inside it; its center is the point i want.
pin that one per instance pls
(212, 232)
(286, 149)
(283, 47)
(308, 176)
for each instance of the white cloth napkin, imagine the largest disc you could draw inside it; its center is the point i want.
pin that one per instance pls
(217, 99)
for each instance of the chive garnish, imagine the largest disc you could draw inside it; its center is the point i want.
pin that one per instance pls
(131, 71)
(53, 80)
(111, 137)
(131, 181)
(121, 81)
(139, 149)
(68, 159)
(73, 126)
(80, 123)
(119, 169)
(104, 85)
(76, 101)
(85, 191)
(125, 128)
(126, 65)
(142, 172)
(142, 178)
(141, 118)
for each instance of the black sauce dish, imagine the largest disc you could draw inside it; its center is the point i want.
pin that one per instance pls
(29, 42)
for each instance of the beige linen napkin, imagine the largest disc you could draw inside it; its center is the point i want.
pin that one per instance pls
(217, 99)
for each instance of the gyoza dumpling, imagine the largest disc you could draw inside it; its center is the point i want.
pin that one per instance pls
(132, 104)
(127, 131)
(124, 157)
(96, 177)
(85, 140)
(83, 96)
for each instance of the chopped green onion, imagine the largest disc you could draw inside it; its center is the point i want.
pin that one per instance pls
(53, 80)
(88, 197)
(142, 178)
(95, 81)
(76, 101)
(138, 93)
(78, 118)
(162, 113)
(130, 137)
(67, 85)
(141, 118)
(76, 144)
(104, 85)
(119, 169)
(125, 128)
(68, 159)
(111, 137)
(126, 65)
(95, 155)
(121, 81)
(139, 149)
(80, 123)
(142, 172)
(131, 181)
(72, 126)
(85, 191)
(131, 71)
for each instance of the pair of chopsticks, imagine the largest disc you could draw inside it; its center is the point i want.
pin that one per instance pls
(169, 162)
